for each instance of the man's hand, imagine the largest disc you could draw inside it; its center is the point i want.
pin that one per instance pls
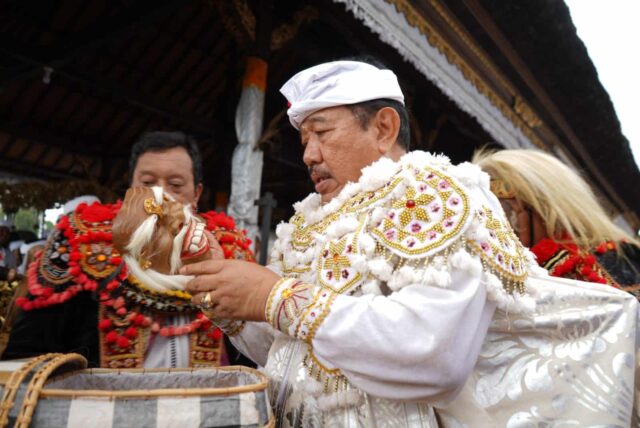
(214, 246)
(238, 289)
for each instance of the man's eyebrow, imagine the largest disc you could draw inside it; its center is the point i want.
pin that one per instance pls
(317, 119)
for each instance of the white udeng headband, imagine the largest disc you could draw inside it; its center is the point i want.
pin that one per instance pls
(337, 83)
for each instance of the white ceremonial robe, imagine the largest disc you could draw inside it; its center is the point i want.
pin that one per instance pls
(387, 295)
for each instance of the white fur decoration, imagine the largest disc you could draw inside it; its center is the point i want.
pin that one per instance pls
(377, 174)
(468, 174)
(436, 277)
(156, 280)
(342, 226)
(367, 244)
(381, 269)
(402, 277)
(462, 260)
(284, 231)
(142, 236)
(359, 263)
(507, 302)
(372, 287)
(176, 250)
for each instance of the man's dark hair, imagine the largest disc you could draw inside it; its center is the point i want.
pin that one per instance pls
(365, 111)
(160, 141)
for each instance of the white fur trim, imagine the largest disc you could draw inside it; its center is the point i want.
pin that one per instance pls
(469, 174)
(381, 269)
(404, 276)
(462, 260)
(359, 263)
(372, 287)
(142, 236)
(367, 244)
(377, 174)
(156, 280)
(284, 231)
(507, 302)
(436, 277)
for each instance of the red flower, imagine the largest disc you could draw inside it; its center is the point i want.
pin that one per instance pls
(131, 332)
(111, 337)
(215, 334)
(105, 324)
(123, 342)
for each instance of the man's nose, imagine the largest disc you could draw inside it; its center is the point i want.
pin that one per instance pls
(312, 155)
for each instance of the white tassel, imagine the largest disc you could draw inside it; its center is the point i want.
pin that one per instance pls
(404, 276)
(443, 279)
(464, 261)
(381, 269)
(372, 287)
(438, 262)
(359, 263)
(436, 277)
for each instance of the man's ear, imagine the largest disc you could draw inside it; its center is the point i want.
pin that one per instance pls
(197, 194)
(387, 123)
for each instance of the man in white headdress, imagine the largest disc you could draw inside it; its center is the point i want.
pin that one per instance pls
(382, 287)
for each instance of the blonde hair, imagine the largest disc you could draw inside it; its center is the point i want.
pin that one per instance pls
(561, 197)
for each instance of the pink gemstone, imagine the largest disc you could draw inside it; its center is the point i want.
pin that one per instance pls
(345, 273)
(415, 228)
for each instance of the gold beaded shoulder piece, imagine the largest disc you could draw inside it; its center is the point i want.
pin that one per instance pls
(501, 251)
(431, 215)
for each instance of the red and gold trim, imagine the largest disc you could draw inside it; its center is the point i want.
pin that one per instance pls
(298, 309)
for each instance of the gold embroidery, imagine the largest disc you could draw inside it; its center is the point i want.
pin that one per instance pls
(430, 215)
(502, 252)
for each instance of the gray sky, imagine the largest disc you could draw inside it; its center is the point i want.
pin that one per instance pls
(610, 31)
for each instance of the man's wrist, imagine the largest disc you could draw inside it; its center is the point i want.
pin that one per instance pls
(297, 309)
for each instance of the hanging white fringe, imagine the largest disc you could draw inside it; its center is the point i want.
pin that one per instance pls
(381, 269)
(372, 287)
(510, 303)
(402, 277)
(464, 261)
(436, 277)
(359, 263)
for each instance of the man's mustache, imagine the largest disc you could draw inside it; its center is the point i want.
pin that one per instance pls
(318, 171)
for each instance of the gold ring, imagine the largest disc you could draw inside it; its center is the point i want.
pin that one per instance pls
(206, 301)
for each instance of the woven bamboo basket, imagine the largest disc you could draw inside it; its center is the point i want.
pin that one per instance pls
(56, 390)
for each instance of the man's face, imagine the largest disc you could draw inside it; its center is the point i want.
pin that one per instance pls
(336, 148)
(171, 169)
